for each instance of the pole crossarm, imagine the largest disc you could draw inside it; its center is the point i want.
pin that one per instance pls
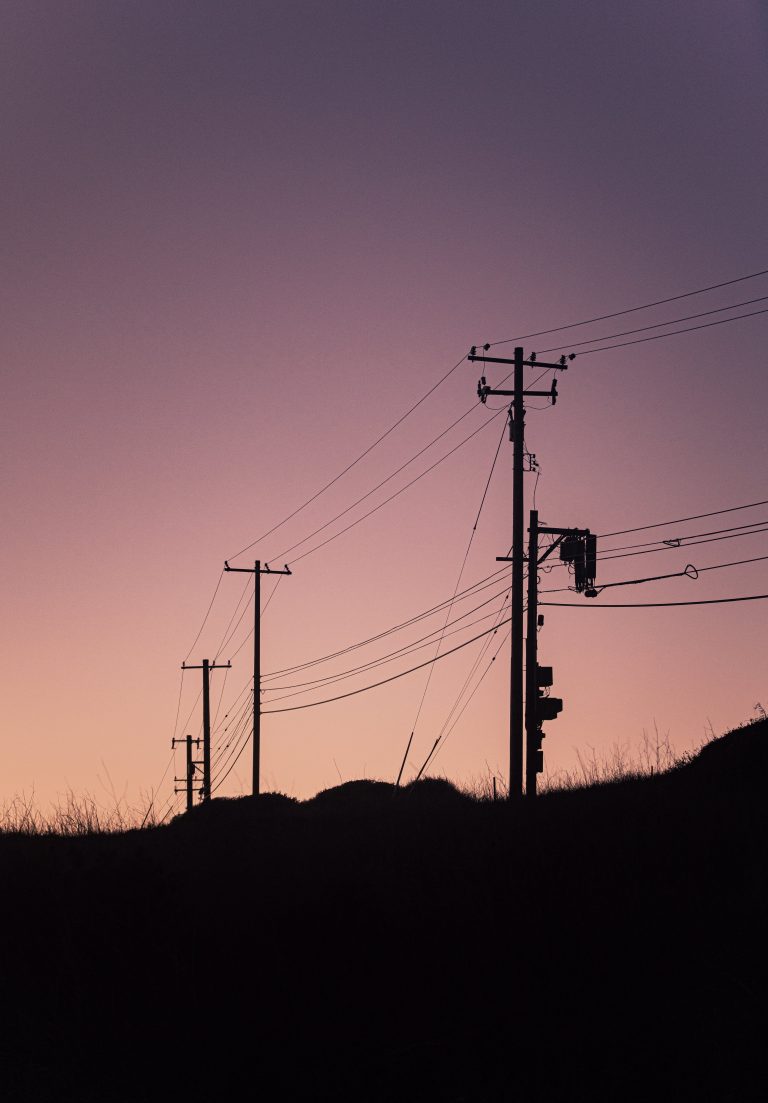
(266, 569)
(561, 365)
(483, 391)
(210, 666)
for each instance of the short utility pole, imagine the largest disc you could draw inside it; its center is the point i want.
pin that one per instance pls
(206, 668)
(578, 548)
(257, 571)
(517, 432)
(191, 766)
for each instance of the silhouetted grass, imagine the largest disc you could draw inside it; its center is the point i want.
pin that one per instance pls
(74, 815)
(379, 944)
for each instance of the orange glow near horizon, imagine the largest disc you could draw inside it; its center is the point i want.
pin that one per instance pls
(229, 279)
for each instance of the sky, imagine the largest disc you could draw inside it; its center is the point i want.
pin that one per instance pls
(240, 240)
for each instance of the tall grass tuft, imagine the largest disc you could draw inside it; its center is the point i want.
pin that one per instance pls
(75, 815)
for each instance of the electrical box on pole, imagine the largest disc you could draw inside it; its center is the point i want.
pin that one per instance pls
(578, 549)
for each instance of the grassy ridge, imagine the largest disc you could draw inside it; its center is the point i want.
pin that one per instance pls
(372, 944)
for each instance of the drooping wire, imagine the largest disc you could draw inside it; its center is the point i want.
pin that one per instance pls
(674, 333)
(446, 730)
(391, 498)
(633, 309)
(476, 588)
(443, 739)
(657, 325)
(205, 618)
(681, 520)
(383, 660)
(284, 554)
(349, 466)
(699, 570)
(460, 576)
(679, 542)
(385, 681)
(428, 638)
(178, 705)
(226, 636)
(653, 604)
(673, 540)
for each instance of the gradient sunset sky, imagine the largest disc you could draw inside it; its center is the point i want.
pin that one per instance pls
(241, 239)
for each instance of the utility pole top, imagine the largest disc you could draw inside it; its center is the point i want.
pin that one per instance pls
(266, 569)
(205, 665)
(519, 362)
(532, 362)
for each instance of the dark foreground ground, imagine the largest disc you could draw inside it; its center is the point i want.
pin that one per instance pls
(382, 945)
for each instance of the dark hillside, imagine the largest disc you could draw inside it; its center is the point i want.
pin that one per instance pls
(374, 944)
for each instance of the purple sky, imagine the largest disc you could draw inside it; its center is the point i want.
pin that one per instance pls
(240, 239)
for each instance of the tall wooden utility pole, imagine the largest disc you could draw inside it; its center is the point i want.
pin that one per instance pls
(206, 668)
(257, 571)
(518, 394)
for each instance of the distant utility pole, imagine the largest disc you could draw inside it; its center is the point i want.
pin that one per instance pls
(517, 432)
(257, 571)
(206, 668)
(191, 766)
(578, 548)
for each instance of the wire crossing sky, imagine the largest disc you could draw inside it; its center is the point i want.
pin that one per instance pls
(241, 293)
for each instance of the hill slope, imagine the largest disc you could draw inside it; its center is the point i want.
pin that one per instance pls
(378, 944)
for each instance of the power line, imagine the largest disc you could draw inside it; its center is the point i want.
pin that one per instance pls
(443, 733)
(407, 486)
(409, 649)
(651, 604)
(205, 618)
(244, 743)
(473, 590)
(698, 570)
(735, 563)
(237, 720)
(415, 406)
(443, 739)
(658, 325)
(232, 765)
(225, 636)
(393, 678)
(390, 654)
(458, 581)
(674, 333)
(632, 309)
(685, 542)
(676, 541)
(349, 466)
(287, 551)
(178, 706)
(680, 542)
(680, 520)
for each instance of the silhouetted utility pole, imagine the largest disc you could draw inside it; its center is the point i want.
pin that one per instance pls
(578, 548)
(191, 766)
(531, 659)
(206, 668)
(257, 571)
(517, 434)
